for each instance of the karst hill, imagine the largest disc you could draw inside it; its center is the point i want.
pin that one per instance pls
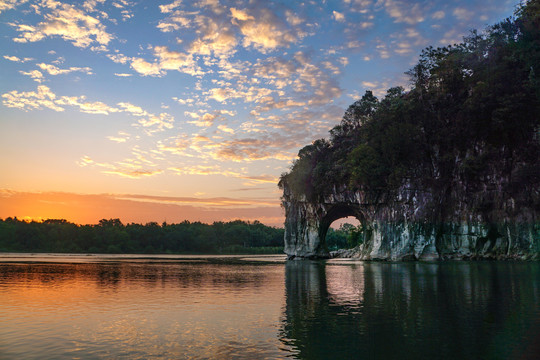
(447, 169)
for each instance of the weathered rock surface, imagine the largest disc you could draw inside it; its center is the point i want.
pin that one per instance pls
(411, 224)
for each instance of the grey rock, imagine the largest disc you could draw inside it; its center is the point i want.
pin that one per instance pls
(413, 224)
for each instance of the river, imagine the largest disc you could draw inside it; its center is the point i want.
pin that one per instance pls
(264, 307)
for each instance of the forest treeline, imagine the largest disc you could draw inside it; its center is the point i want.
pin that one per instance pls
(470, 121)
(111, 236)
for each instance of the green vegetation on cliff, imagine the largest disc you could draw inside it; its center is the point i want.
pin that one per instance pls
(471, 122)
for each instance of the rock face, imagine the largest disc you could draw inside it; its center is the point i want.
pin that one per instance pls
(411, 224)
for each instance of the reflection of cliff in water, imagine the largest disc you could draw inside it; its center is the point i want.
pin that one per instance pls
(412, 310)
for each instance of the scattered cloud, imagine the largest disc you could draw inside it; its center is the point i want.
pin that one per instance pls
(32, 100)
(169, 7)
(438, 15)
(67, 22)
(338, 16)
(121, 137)
(45, 98)
(133, 168)
(53, 70)
(453, 36)
(16, 59)
(118, 58)
(156, 123)
(174, 60)
(145, 68)
(89, 107)
(404, 11)
(137, 208)
(263, 30)
(36, 75)
(10, 4)
(462, 13)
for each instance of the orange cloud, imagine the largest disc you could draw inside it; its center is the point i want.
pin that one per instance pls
(90, 208)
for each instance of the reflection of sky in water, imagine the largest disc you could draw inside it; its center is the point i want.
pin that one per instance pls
(345, 284)
(138, 310)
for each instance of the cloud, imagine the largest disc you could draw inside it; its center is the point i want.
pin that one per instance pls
(122, 137)
(207, 119)
(263, 30)
(118, 58)
(89, 107)
(215, 36)
(90, 208)
(379, 87)
(16, 59)
(174, 60)
(133, 168)
(145, 68)
(453, 36)
(278, 69)
(250, 150)
(223, 94)
(45, 98)
(437, 15)
(67, 22)
(124, 7)
(178, 19)
(263, 178)
(205, 170)
(53, 70)
(133, 109)
(34, 74)
(208, 170)
(10, 4)
(214, 202)
(155, 123)
(122, 74)
(246, 149)
(338, 16)
(293, 18)
(463, 14)
(32, 100)
(169, 7)
(403, 11)
(133, 174)
(321, 86)
(166, 59)
(226, 129)
(176, 145)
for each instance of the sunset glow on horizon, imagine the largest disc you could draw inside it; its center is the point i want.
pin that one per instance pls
(191, 110)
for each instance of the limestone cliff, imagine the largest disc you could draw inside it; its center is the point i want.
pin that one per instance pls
(406, 225)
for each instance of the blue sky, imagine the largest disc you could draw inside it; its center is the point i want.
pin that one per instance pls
(196, 99)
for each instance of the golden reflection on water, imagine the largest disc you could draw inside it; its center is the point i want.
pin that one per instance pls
(137, 310)
(345, 284)
(250, 308)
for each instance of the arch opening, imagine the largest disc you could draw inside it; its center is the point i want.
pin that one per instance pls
(345, 236)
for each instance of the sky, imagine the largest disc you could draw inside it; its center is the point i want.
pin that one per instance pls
(190, 110)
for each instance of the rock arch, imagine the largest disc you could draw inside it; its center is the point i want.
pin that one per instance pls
(338, 211)
(307, 222)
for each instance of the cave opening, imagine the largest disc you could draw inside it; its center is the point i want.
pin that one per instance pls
(341, 228)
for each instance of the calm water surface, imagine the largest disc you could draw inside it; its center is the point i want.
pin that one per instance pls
(262, 307)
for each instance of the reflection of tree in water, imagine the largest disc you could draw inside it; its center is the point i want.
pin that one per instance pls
(378, 310)
(113, 275)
